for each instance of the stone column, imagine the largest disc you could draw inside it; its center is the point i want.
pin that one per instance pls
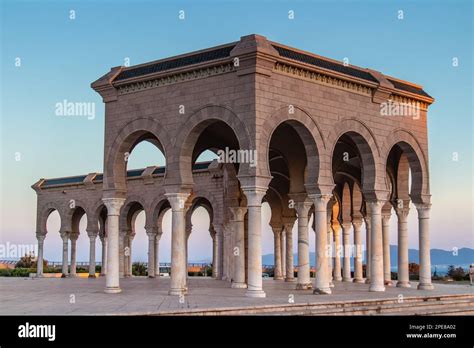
(376, 246)
(321, 281)
(178, 243)
(103, 267)
(129, 256)
(65, 266)
(336, 227)
(92, 237)
(277, 232)
(304, 280)
(151, 233)
(403, 280)
(346, 234)
(73, 238)
(215, 251)
(387, 275)
(238, 249)
(368, 247)
(330, 246)
(39, 261)
(358, 275)
(424, 246)
(157, 252)
(122, 234)
(290, 273)
(188, 230)
(283, 253)
(112, 279)
(254, 204)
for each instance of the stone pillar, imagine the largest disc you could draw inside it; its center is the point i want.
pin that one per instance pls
(92, 237)
(424, 246)
(368, 247)
(65, 266)
(178, 243)
(336, 227)
(304, 280)
(277, 232)
(346, 234)
(290, 273)
(157, 252)
(238, 249)
(73, 238)
(321, 281)
(358, 275)
(376, 245)
(387, 275)
(103, 267)
(254, 204)
(112, 279)
(215, 252)
(122, 235)
(403, 280)
(129, 256)
(283, 253)
(39, 261)
(151, 233)
(330, 246)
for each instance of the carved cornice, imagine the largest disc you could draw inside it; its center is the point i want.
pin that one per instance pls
(176, 78)
(323, 79)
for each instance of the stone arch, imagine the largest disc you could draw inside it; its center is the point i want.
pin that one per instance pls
(346, 206)
(43, 215)
(72, 215)
(357, 200)
(157, 209)
(180, 164)
(133, 204)
(132, 134)
(369, 150)
(420, 189)
(311, 137)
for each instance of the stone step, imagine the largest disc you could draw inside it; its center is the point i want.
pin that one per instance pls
(325, 308)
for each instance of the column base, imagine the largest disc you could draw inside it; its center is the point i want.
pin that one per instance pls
(306, 286)
(425, 287)
(290, 280)
(278, 278)
(358, 280)
(177, 292)
(39, 276)
(338, 279)
(403, 284)
(239, 286)
(72, 275)
(63, 275)
(367, 281)
(91, 276)
(376, 288)
(388, 283)
(331, 284)
(255, 293)
(347, 280)
(322, 291)
(151, 276)
(112, 290)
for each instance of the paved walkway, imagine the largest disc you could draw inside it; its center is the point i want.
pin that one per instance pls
(140, 295)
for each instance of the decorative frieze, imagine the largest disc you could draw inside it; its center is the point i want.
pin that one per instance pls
(175, 78)
(323, 79)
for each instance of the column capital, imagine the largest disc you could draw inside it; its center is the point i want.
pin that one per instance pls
(113, 205)
(238, 213)
(346, 227)
(277, 227)
(92, 233)
(375, 206)
(320, 201)
(423, 210)
(302, 203)
(288, 226)
(151, 231)
(254, 195)
(357, 222)
(40, 237)
(177, 200)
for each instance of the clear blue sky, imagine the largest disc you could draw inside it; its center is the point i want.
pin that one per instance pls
(60, 57)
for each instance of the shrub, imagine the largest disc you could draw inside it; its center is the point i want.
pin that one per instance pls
(17, 272)
(456, 273)
(139, 269)
(29, 261)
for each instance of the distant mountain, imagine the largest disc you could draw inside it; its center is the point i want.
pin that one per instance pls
(438, 257)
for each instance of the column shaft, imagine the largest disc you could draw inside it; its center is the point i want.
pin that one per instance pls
(39, 262)
(358, 275)
(92, 238)
(376, 244)
(424, 246)
(337, 253)
(321, 282)
(387, 275)
(346, 230)
(290, 273)
(238, 250)
(403, 279)
(304, 280)
(103, 267)
(278, 275)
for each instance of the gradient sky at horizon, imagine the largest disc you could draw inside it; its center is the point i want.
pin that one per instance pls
(60, 57)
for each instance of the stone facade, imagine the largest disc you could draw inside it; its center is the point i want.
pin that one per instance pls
(334, 141)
